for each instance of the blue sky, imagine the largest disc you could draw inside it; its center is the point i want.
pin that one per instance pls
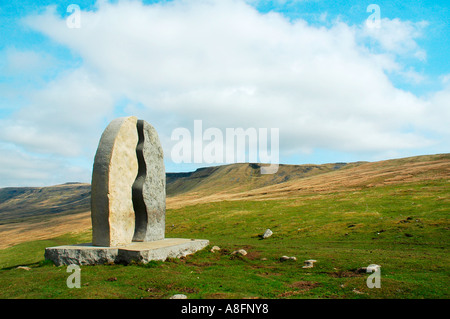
(337, 90)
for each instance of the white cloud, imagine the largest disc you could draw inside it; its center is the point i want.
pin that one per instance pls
(61, 118)
(20, 168)
(438, 115)
(398, 36)
(231, 66)
(17, 61)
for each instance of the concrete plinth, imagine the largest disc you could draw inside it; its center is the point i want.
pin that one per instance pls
(87, 254)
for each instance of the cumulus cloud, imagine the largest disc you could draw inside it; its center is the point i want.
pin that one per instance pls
(231, 66)
(19, 168)
(60, 118)
(397, 36)
(17, 61)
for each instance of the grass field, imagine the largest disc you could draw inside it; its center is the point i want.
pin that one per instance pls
(402, 227)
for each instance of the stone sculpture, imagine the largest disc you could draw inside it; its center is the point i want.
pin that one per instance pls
(114, 172)
(128, 201)
(149, 189)
(128, 198)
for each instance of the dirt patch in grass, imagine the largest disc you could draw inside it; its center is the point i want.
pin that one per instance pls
(153, 292)
(200, 263)
(289, 294)
(252, 255)
(268, 274)
(347, 273)
(221, 295)
(304, 285)
(188, 290)
(299, 287)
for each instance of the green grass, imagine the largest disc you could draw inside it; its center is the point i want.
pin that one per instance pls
(405, 229)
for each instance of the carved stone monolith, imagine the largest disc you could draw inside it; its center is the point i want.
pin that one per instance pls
(114, 173)
(128, 202)
(149, 189)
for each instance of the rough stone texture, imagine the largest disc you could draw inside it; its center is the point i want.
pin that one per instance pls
(87, 254)
(114, 172)
(128, 202)
(286, 258)
(215, 248)
(24, 268)
(267, 234)
(309, 263)
(149, 189)
(83, 254)
(373, 267)
(241, 252)
(161, 249)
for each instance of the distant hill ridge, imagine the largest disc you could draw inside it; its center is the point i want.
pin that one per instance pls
(241, 177)
(233, 181)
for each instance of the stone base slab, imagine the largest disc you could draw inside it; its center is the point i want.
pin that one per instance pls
(87, 254)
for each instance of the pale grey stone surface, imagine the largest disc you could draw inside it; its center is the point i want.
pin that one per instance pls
(309, 263)
(24, 268)
(161, 249)
(267, 234)
(83, 254)
(128, 202)
(241, 252)
(87, 254)
(215, 248)
(286, 258)
(149, 189)
(114, 172)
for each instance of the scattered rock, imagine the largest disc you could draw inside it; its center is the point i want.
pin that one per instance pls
(267, 234)
(357, 291)
(240, 252)
(24, 268)
(264, 258)
(286, 258)
(112, 279)
(179, 296)
(215, 248)
(309, 263)
(370, 268)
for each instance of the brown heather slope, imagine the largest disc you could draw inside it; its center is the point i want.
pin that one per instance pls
(236, 178)
(20, 203)
(40, 213)
(31, 213)
(353, 176)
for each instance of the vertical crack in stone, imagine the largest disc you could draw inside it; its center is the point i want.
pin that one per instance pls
(140, 209)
